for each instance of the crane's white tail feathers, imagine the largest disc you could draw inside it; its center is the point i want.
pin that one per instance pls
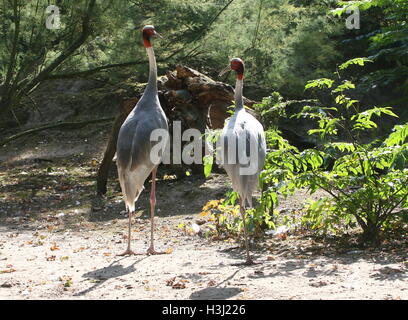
(249, 201)
(131, 189)
(245, 186)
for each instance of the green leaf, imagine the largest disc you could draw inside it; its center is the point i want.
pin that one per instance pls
(363, 119)
(355, 61)
(208, 162)
(320, 83)
(346, 85)
(342, 146)
(399, 135)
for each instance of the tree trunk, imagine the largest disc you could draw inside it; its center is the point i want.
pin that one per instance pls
(102, 178)
(371, 234)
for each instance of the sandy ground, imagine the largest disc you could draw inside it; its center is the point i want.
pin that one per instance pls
(54, 245)
(83, 265)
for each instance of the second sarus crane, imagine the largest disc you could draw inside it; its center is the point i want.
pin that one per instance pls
(243, 149)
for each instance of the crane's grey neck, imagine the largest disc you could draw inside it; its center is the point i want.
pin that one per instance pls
(239, 102)
(152, 83)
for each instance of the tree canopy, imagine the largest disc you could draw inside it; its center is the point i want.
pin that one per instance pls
(284, 43)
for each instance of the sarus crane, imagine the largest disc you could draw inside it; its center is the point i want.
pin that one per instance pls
(134, 145)
(243, 149)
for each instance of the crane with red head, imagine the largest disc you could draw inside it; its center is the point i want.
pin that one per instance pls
(243, 149)
(134, 145)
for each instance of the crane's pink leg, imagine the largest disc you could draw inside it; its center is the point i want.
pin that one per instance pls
(128, 250)
(151, 249)
(249, 260)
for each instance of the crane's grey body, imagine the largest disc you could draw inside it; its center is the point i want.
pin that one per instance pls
(134, 146)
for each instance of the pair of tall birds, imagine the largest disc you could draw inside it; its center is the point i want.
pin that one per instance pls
(134, 146)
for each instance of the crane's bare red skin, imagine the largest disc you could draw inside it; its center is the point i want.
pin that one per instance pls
(238, 67)
(147, 43)
(147, 34)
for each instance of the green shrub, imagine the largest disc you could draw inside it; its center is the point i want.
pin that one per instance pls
(366, 180)
(226, 221)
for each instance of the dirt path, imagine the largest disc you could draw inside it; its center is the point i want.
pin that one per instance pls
(56, 243)
(83, 265)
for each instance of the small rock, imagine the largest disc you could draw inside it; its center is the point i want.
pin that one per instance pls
(6, 285)
(318, 284)
(280, 230)
(195, 227)
(355, 252)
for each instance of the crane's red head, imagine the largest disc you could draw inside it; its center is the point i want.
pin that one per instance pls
(148, 32)
(238, 66)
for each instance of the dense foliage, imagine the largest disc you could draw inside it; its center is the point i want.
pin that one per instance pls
(93, 36)
(365, 180)
(284, 42)
(386, 40)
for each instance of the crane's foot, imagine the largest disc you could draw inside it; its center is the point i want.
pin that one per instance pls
(152, 251)
(248, 262)
(128, 252)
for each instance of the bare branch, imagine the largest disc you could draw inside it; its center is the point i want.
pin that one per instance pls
(53, 126)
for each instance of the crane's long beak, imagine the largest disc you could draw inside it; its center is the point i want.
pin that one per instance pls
(223, 71)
